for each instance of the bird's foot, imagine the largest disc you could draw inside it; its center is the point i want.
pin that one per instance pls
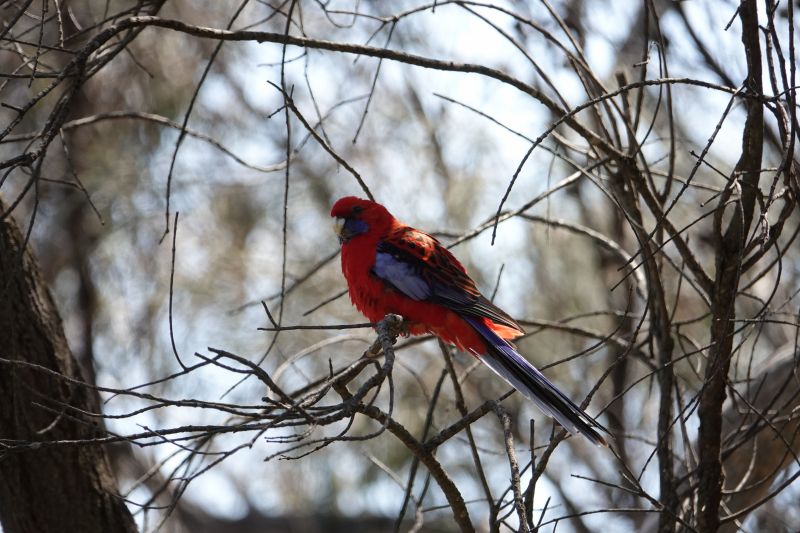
(388, 330)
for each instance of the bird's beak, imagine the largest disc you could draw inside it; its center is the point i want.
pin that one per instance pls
(338, 227)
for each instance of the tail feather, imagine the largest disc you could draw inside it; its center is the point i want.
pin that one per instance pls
(504, 360)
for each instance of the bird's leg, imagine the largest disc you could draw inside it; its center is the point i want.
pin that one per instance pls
(407, 328)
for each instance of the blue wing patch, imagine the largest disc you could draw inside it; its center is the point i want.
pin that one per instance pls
(402, 276)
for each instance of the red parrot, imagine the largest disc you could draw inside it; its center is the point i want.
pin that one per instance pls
(393, 268)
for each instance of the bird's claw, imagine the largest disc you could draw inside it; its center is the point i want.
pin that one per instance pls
(388, 329)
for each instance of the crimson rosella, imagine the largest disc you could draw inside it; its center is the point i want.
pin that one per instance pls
(393, 268)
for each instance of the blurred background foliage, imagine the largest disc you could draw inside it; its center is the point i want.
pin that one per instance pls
(438, 149)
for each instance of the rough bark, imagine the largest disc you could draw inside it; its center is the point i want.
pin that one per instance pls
(50, 489)
(730, 243)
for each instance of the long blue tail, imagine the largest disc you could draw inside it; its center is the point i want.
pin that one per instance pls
(526, 378)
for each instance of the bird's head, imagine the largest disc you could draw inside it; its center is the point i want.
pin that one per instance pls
(356, 216)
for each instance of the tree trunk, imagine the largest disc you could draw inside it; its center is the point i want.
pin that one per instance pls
(46, 488)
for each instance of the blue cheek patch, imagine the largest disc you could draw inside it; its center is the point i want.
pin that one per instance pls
(355, 227)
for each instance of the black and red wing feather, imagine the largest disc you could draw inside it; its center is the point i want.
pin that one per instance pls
(419, 266)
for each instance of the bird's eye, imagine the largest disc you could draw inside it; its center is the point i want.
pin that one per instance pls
(357, 209)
